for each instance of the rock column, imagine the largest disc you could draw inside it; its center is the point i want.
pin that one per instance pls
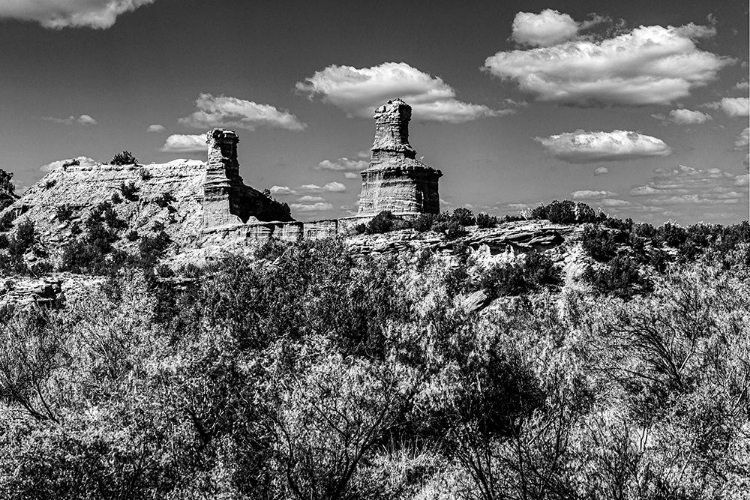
(395, 180)
(222, 171)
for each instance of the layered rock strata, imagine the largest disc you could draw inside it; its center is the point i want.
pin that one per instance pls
(395, 180)
(226, 198)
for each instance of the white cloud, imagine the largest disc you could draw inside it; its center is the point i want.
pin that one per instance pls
(314, 207)
(180, 143)
(225, 111)
(547, 28)
(732, 106)
(610, 202)
(649, 65)
(685, 117)
(358, 91)
(155, 128)
(744, 85)
(743, 140)
(692, 186)
(71, 120)
(59, 14)
(351, 175)
(310, 199)
(82, 160)
(282, 191)
(331, 187)
(601, 171)
(591, 195)
(343, 165)
(589, 147)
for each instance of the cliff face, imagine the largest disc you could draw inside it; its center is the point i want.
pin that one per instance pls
(396, 180)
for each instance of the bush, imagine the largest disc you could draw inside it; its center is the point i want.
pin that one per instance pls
(384, 222)
(463, 216)
(601, 244)
(23, 239)
(64, 213)
(145, 175)
(116, 198)
(621, 277)
(131, 235)
(4, 242)
(450, 228)
(165, 199)
(486, 221)
(129, 191)
(124, 158)
(566, 212)
(6, 221)
(536, 272)
(423, 222)
(50, 183)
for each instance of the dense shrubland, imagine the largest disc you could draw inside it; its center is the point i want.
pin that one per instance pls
(306, 373)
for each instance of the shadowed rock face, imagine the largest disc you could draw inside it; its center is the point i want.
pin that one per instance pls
(395, 180)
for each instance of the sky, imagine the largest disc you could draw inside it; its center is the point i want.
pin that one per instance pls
(638, 107)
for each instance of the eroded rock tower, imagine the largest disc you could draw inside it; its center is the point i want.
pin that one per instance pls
(395, 180)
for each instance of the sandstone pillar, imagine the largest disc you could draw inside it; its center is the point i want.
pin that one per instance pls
(395, 180)
(222, 170)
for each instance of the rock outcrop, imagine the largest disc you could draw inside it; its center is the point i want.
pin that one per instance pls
(186, 198)
(395, 180)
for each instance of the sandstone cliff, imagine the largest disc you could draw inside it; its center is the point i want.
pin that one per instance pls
(7, 189)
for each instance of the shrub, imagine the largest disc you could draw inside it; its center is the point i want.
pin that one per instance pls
(511, 218)
(23, 239)
(504, 279)
(145, 175)
(131, 235)
(486, 221)
(64, 213)
(165, 199)
(50, 183)
(423, 222)
(124, 158)
(381, 223)
(129, 191)
(539, 270)
(151, 248)
(450, 228)
(600, 244)
(6, 221)
(116, 198)
(4, 242)
(463, 216)
(621, 277)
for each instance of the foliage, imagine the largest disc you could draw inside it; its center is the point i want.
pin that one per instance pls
(566, 212)
(124, 158)
(64, 213)
(486, 221)
(384, 222)
(304, 372)
(165, 199)
(129, 191)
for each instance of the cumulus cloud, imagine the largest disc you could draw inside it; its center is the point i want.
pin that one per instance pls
(743, 85)
(601, 171)
(331, 187)
(358, 91)
(589, 147)
(312, 207)
(685, 117)
(282, 191)
(59, 14)
(591, 195)
(547, 28)
(351, 175)
(82, 160)
(732, 106)
(692, 186)
(180, 143)
(71, 120)
(310, 199)
(225, 111)
(155, 128)
(343, 165)
(743, 140)
(648, 65)
(611, 202)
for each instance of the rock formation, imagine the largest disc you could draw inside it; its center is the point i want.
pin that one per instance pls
(226, 198)
(395, 180)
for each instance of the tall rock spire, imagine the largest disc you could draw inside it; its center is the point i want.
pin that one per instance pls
(395, 180)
